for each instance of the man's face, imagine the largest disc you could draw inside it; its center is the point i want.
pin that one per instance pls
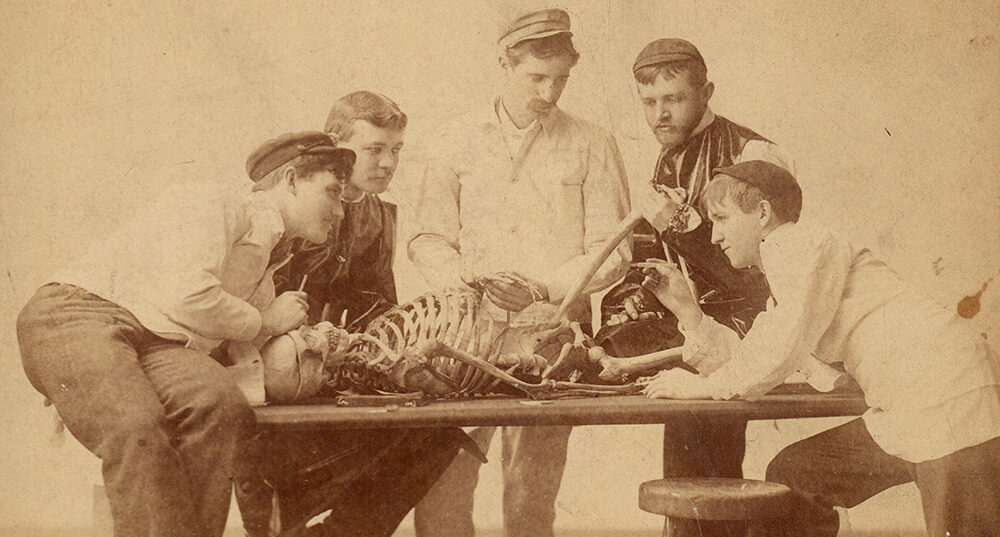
(535, 84)
(738, 233)
(316, 206)
(674, 107)
(377, 151)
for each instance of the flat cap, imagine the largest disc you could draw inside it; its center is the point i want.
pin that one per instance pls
(774, 182)
(278, 151)
(666, 50)
(537, 24)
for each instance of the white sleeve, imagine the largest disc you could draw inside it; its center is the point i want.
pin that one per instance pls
(807, 282)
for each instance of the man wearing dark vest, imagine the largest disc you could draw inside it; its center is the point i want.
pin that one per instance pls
(671, 79)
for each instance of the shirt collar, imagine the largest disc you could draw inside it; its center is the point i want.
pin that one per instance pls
(500, 115)
(774, 241)
(706, 119)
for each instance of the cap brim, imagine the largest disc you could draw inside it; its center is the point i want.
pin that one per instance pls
(664, 57)
(341, 157)
(539, 35)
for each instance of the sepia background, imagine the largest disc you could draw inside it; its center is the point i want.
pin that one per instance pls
(890, 112)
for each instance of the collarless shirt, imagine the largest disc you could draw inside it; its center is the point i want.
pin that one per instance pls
(930, 381)
(192, 267)
(540, 208)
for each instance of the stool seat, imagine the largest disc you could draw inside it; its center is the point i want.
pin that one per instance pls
(714, 498)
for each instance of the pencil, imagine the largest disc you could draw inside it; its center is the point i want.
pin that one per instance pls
(303, 284)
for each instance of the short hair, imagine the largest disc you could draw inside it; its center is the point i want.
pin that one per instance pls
(305, 166)
(374, 108)
(697, 72)
(787, 204)
(545, 47)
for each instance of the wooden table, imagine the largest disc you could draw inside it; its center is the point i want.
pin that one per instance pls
(785, 402)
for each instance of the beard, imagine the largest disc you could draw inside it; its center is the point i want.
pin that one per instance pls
(671, 134)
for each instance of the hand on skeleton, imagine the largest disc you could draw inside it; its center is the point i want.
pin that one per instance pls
(513, 292)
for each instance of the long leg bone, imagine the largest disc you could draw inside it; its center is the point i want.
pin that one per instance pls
(543, 390)
(624, 228)
(620, 368)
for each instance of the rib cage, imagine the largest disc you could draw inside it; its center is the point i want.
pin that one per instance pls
(390, 342)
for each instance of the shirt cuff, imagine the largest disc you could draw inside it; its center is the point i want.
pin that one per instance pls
(703, 345)
(819, 375)
(251, 326)
(248, 372)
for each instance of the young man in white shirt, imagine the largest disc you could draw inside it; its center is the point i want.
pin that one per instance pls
(930, 381)
(120, 340)
(519, 187)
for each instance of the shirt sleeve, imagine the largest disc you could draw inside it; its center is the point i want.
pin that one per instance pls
(605, 205)
(434, 247)
(204, 305)
(807, 278)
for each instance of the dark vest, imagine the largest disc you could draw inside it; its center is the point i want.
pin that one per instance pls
(737, 295)
(352, 271)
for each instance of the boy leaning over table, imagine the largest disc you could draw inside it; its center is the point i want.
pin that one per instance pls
(120, 340)
(932, 384)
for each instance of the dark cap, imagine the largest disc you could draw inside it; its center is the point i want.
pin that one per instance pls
(532, 25)
(274, 153)
(774, 182)
(666, 50)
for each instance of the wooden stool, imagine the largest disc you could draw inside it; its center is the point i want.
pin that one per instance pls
(714, 498)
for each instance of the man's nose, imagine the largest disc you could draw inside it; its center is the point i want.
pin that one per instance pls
(547, 92)
(663, 111)
(387, 161)
(337, 211)
(716, 235)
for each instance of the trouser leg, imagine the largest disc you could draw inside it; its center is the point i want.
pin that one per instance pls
(704, 448)
(960, 492)
(446, 509)
(254, 494)
(839, 467)
(85, 355)
(533, 462)
(375, 501)
(208, 417)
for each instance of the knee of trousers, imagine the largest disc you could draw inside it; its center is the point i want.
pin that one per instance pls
(789, 468)
(221, 408)
(136, 433)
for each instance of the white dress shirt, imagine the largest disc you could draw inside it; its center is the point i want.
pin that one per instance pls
(932, 383)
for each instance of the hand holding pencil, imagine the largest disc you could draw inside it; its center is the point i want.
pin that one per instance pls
(673, 289)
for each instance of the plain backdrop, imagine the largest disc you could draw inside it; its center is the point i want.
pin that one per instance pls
(889, 109)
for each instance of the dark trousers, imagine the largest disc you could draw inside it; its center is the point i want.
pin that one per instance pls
(164, 419)
(844, 466)
(704, 448)
(355, 483)
(532, 460)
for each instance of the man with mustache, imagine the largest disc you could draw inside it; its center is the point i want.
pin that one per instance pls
(514, 201)
(672, 84)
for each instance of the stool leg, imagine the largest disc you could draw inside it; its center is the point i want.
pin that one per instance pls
(669, 527)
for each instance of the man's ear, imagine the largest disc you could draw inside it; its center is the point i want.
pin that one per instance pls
(766, 214)
(706, 92)
(289, 178)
